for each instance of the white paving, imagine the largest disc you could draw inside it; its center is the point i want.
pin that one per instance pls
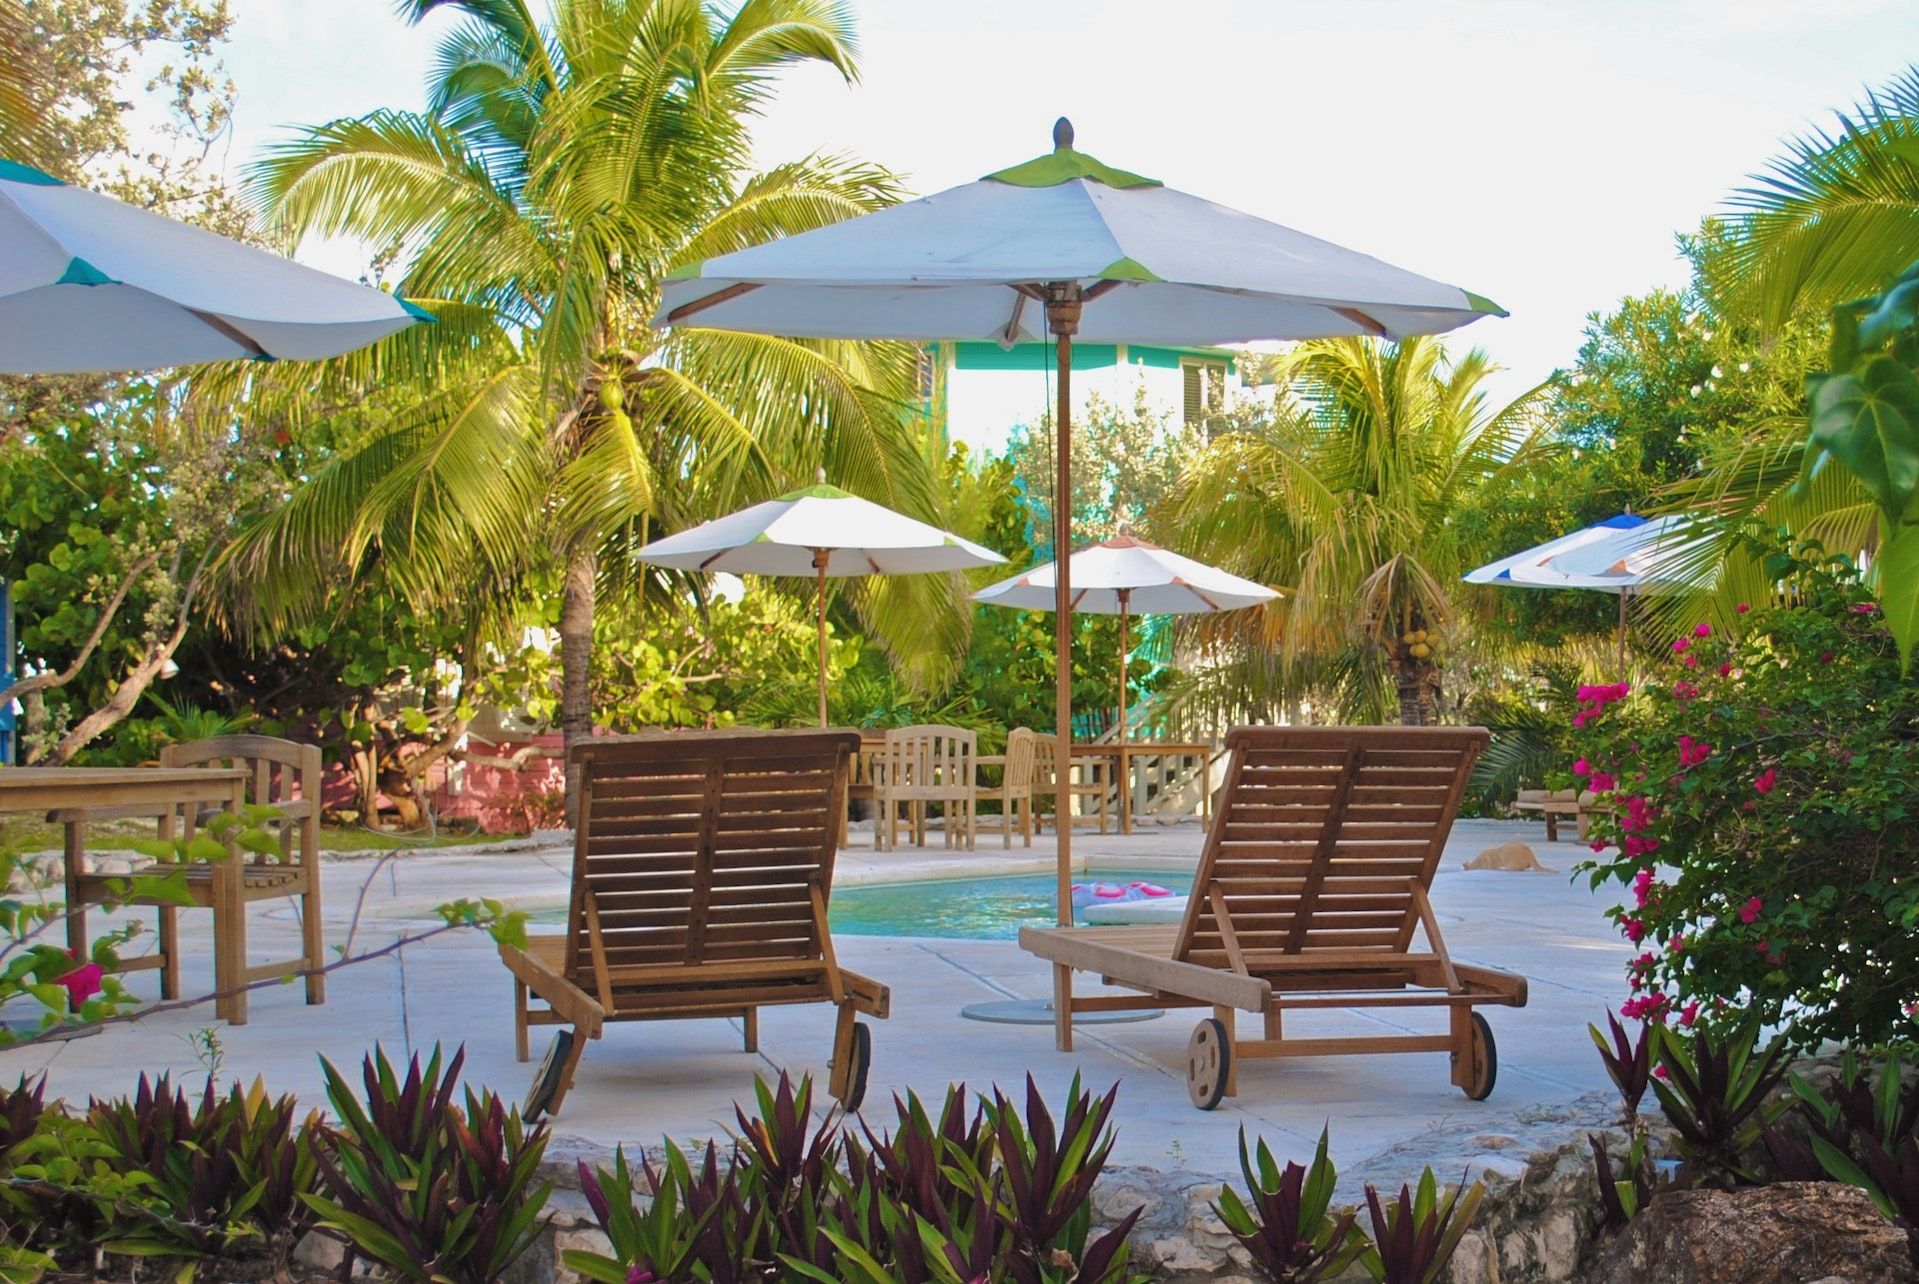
(680, 1079)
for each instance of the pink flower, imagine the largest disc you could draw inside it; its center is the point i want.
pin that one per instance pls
(1684, 691)
(1725, 670)
(1864, 608)
(1634, 928)
(82, 983)
(1676, 944)
(1702, 630)
(1766, 780)
(1825, 657)
(1742, 608)
(1659, 1071)
(1679, 645)
(1602, 782)
(1581, 767)
(1692, 662)
(1693, 752)
(640, 1275)
(1689, 1013)
(1750, 910)
(1637, 846)
(1597, 844)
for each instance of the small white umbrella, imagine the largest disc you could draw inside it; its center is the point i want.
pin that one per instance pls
(1123, 576)
(821, 531)
(1618, 555)
(92, 284)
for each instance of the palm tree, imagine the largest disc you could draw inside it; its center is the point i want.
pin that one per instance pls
(1344, 496)
(557, 176)
(1835, 217)
(21, 117)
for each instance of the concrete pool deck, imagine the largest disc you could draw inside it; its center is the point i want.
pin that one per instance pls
(680, 1079)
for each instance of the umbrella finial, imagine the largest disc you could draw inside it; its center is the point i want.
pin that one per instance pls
(819, 474)
(1062, 135)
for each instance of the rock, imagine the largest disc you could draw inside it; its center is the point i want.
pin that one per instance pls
(1508, 856)
(1782, 1234)
(317, 1252)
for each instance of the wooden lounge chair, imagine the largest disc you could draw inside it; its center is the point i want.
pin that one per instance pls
(702, 864)
(1312, 883)
(283, 776)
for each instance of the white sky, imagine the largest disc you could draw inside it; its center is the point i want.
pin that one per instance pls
(1540, 152)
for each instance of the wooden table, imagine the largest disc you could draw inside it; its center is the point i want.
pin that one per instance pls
(78, 790)
(1120, 758)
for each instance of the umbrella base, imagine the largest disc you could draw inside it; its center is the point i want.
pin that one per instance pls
(1040, 1012)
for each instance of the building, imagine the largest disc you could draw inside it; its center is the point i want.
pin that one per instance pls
(983, 391)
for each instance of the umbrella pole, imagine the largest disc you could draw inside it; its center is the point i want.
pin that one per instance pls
(1063, 300)
(820, 557)
(1622, 631)
(1124, 594)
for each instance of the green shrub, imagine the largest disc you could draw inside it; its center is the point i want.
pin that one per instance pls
(1766, 794)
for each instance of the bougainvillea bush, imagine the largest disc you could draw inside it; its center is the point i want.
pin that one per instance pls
(1765, 822)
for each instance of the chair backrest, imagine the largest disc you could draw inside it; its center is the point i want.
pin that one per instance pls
(1021, 754)
(280, 771)
(1320, 836)
(928, 762)
(703, 847)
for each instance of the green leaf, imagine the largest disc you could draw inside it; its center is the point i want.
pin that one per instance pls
(1898, 570)
(1868, 419)
(200, 847)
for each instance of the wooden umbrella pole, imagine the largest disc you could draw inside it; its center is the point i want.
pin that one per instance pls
(1622, 631)
(820, 557)
(1124, 594)
(1063, 300)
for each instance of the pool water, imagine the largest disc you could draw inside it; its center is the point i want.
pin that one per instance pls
(991, 909)
(987, 909)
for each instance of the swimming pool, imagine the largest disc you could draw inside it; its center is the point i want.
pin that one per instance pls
(989, 909)
(986, 909)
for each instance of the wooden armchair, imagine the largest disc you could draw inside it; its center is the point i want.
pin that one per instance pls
(1015, 788)
(1085, 779)
(921, 765)
(282, 775)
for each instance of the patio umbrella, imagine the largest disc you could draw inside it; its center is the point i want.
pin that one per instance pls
(1122, 576)
(820, 531)
(89, 283)
(1066, 246)
(1616, 556)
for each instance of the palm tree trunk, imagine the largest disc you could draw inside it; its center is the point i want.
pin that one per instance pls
(576, 660)
(1410, 713)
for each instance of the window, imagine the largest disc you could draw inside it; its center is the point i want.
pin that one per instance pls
(1205, 389)
(928, 372)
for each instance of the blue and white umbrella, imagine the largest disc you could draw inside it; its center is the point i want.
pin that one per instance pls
(89, 284)
(1619, 555)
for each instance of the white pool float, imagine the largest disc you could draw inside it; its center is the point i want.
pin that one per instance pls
(1087, 895)
(1169, 908)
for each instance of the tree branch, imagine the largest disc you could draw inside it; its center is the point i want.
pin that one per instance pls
(48, 681)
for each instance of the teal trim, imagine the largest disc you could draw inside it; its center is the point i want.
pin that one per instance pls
(1483, 304)
(15, 172)
(981, 354)
(417, 312)
(81, 272)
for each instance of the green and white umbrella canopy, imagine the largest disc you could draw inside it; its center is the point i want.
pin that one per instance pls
(1155, 266)
(1067, 246)
(821, 531)
(92, 284)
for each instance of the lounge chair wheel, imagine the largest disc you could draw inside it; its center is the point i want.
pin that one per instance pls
(1485, 1067)
(546, 1079)
(862, 1061)
(1209, 1060)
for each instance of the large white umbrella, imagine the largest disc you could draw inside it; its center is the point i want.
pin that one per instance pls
(1066, 246)
(89, 283)
(1620, 555)
(820, 531)
(1125, 576)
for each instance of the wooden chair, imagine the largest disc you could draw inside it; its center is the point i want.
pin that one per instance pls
(1086, 780)
(1582, 806)
(1015, 788)
(283, 776)
(922, 765)
(1311, 885)
(702, 865)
